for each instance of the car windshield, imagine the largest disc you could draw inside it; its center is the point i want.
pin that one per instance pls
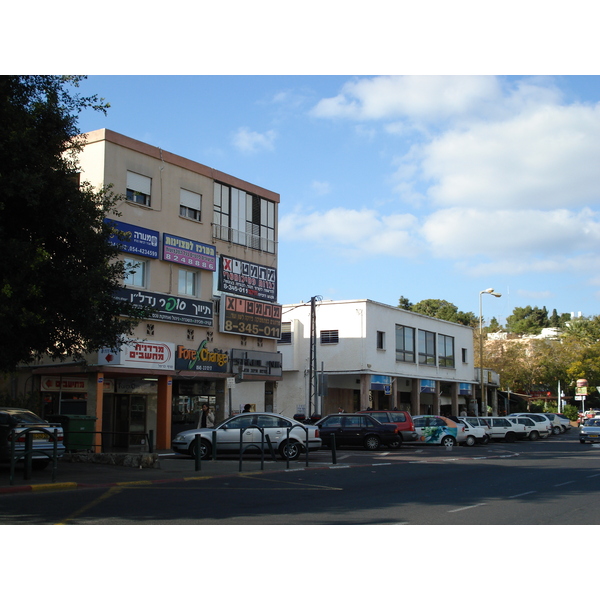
(23, 416)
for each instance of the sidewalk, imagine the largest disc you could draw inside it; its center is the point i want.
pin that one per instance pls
(168, 467)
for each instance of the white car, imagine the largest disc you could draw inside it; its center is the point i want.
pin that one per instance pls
(503, 429)
(479, 422)
(535, 429)
(548, 421)
(474, 435)
(246, 430)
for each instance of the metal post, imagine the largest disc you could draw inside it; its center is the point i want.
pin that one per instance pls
(481, 381)
(198, 457)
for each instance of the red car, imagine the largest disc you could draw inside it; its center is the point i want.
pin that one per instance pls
(400, 418)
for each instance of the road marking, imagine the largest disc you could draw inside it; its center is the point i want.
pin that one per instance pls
(523, 494)
(110, 492)
(380, 464)
(563, 483)
(590, 476)
(466, 507)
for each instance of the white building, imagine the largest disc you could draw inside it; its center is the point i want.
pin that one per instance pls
(374, 355)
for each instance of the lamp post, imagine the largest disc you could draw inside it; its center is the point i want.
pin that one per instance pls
(481, 382)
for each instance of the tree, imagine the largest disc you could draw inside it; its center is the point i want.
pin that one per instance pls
(528, 320)
(59, 271)
(442, 309)
(405, 303)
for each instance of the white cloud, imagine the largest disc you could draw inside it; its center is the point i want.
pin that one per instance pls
(541, 159)
(458, 233)
(249, 142)
(321, 188)
(359, 233)
(417, 97)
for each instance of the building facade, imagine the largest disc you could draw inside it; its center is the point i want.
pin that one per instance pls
(201, 252)
(371, 355)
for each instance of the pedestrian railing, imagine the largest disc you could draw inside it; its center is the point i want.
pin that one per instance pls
(28, 451)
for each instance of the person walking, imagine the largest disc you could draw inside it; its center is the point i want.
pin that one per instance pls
(207, 419)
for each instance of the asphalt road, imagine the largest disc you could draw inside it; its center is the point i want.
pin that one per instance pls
(549, 482)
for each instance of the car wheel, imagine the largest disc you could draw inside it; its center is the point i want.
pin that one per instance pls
(372, 442)
(470, 441)
(510, 436)
(486, 439)
(205, 449)
(448, 441)
(556, 430)
(395, 445)
(582, 441)
(534, 435)
(290, 450)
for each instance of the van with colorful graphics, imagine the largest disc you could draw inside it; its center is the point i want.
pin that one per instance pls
(433, 429)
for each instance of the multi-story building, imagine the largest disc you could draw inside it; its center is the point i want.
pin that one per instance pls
(367, 354)
(201, 252)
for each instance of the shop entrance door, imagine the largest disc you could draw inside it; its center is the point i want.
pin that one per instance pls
(130, 420)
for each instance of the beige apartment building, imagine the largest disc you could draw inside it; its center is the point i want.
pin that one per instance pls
(202, 251)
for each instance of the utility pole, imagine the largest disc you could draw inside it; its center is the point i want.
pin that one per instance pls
(312, 361)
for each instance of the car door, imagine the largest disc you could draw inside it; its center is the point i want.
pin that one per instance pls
(353, 430)
(276, 428)
(228, 433)
(329, 426)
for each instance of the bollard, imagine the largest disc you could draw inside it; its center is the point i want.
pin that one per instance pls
(333, 453)
(198, 452)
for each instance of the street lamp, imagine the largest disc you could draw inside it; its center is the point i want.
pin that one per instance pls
(481, 382)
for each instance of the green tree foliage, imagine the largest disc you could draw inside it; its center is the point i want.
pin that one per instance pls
(405, 303)
(59, 271)
(528, 320)
(442, 309)
(583, 329)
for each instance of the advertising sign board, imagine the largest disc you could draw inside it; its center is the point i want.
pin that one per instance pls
(250, 317)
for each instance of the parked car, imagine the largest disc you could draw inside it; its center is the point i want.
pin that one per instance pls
(565, 423)
(478, 422)
(355, 429)
(535, 429)
(548, 421)
(433, 429)
(245, 426)
(590, 432)
(15, 421)
(503, 429)
(400, 418)
(474, 435)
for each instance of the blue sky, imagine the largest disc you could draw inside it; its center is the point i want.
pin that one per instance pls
(415, 186)
(438, 182)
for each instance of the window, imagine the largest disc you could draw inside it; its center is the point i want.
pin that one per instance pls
(243, 218)
(381, 340)
(138, 188)
(188, 282)
(405, 344)
(136, 273)
(286, 333)
(426, 348)
(330, 336)
(446, 351)
(464, 355)
(190, 205)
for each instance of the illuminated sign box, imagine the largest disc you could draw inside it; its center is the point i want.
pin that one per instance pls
(250, 317)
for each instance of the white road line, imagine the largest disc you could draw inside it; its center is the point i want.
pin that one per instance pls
(590, 476)
(563, 483)
(523, 494)
(466, 507)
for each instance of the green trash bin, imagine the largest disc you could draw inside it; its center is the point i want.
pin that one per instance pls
(78, 430)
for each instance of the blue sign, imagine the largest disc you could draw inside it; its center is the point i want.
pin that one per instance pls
(138, 240)
(427, 386)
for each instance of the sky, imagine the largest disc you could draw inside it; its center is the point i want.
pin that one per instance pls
(431, 151)
(416, 186)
